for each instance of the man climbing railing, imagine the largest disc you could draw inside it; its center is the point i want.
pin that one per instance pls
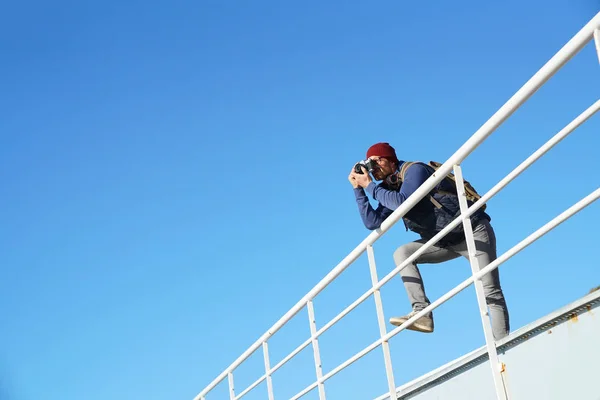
(591, 31)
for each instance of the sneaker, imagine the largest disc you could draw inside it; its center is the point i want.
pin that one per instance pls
(423, 324)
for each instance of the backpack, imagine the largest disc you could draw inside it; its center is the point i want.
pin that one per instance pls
(470, 191)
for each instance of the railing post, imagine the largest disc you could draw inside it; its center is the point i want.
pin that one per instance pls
(597, 40)
(485, 318)
(385, 345)
(231, 390)
(315, 344)
(267, 369)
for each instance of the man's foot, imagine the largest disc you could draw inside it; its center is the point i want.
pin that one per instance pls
(423, 324)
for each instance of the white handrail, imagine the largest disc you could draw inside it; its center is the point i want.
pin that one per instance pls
(521, 96)
(580, 205)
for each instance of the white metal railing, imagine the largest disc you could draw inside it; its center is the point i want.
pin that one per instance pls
(591, 31)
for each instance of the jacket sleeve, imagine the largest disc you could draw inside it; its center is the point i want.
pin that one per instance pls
(415, 176)
(372, 218)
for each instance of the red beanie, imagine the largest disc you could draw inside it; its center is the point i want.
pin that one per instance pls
(383, 150)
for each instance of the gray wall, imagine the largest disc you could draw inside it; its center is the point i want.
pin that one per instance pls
(560, 363)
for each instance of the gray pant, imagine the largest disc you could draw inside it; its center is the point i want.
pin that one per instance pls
(485, 243)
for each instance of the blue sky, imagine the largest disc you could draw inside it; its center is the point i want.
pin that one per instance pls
(174, 179)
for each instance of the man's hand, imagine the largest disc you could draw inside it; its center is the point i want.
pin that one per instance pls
(352, 179)
(361, 180)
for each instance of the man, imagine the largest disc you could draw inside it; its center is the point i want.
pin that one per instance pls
(427, 218)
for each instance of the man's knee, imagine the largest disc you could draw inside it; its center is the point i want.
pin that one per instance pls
(409, 273)
(402, 253)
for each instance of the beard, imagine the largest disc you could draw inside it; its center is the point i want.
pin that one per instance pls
(379, 174)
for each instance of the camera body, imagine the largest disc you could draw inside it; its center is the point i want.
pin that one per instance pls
(369, 165)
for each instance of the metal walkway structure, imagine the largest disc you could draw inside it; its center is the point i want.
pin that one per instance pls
(497, 384)
(563, 345)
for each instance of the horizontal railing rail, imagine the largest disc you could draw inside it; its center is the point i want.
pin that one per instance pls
(591, 31)
(588, 113)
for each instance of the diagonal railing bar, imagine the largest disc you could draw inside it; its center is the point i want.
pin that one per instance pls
(292, 354)
(574, 209)
(484, 199)
(467, 282)
(252, 386)
(570, 49)
(540, 152)
(562, 134)
(492, 192)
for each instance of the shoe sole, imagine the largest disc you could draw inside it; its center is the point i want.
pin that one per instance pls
(414, 327)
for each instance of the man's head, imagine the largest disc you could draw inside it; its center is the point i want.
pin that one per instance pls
(385, 156)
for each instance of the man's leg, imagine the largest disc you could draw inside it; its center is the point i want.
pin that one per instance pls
(485, 244)
(413, 282)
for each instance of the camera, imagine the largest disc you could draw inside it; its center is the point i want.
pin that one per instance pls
(368, 164)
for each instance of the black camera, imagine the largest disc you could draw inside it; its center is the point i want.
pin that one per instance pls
(368, 164)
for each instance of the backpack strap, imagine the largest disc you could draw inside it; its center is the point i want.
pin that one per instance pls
(403, 169)
(470, 191)
(405, 166)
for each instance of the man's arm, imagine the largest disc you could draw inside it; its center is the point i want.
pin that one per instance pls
(415, 176)
(372, 218)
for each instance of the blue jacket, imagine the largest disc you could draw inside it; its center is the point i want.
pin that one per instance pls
(424, 218)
